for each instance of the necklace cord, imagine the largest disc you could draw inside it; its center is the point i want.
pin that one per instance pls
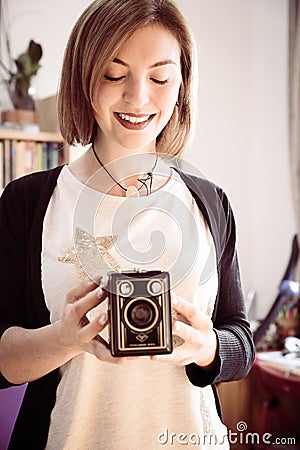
(98, 159)
(143, 181)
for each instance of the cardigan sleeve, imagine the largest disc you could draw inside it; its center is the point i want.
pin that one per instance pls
(235, 352)
(12, 263)
(236, 347)
(22, 207)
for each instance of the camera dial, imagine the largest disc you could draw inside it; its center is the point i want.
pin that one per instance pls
(155, 287)
(126, 288)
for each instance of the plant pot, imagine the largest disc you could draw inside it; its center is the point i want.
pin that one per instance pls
(22, 119)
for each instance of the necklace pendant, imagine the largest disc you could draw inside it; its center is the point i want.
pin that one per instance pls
(132, 191)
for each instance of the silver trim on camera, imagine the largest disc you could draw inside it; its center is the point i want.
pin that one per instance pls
(153, 321)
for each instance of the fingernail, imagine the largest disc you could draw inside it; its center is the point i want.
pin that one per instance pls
(102, 319)
(175, 301)
(99, 292)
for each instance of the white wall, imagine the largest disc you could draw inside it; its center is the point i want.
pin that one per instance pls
(48, 22)
(242, 133)
(273, 219)
(241, 139)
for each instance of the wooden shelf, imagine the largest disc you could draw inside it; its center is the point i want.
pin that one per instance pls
(41, 136)
(22, 152)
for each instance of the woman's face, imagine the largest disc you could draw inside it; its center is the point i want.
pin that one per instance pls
(136, 98)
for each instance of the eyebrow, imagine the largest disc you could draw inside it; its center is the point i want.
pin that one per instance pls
(158, 64)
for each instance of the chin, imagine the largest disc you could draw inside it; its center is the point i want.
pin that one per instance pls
(138, 147)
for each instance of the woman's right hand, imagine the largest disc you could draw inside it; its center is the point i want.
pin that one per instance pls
(76, 331)
(28, 354)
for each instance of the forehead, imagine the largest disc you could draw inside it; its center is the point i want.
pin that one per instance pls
(151, 44)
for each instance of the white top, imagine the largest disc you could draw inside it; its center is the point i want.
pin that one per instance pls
(140, 404)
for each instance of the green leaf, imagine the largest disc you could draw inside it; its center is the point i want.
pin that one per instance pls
(34, 51)
(27, 66)
(24, 64)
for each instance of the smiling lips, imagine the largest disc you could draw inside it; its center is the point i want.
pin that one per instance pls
(134, 122)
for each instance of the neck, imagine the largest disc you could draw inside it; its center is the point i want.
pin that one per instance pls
(132, 174)
(140, 159)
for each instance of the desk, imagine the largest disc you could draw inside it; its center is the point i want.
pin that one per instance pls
(267, 400)
(288, 365)
(278, 379)
(285, 376)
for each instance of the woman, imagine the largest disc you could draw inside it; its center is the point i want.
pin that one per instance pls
(126, 89)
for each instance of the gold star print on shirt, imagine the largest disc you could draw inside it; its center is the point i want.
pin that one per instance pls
(90, 255)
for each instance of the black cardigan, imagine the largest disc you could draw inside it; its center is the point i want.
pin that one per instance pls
(23, 205)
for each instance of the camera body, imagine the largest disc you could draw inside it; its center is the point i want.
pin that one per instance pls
(139, 313)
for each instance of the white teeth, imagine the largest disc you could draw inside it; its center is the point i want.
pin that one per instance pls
(133, 119)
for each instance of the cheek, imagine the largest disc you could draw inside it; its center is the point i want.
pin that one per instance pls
(168, 100)
(102, 101)
(99, 106)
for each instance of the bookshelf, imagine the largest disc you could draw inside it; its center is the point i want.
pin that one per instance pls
(22, 153)
(42, 136)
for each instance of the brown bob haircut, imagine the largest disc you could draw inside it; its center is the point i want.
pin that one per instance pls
(95, 41)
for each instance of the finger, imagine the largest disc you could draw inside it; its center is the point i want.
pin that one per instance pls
(179, 357)
(190, 312)
(104, 354)
(81, 307)
(189, 334)
(80, 291)
(102, 341)
(89, 331)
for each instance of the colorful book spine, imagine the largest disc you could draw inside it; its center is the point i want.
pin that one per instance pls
(21, 157)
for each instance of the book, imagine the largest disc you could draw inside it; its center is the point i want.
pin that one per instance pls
(20, 157)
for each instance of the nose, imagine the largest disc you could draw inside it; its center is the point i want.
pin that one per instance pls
(136, 92)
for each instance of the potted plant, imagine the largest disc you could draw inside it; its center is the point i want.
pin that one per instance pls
(18, 83)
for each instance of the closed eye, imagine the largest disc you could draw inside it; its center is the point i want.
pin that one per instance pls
(161, 82)
(107, 77)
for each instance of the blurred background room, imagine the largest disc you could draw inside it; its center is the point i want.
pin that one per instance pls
(246, 140)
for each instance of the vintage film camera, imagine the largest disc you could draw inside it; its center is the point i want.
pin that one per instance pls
(139, 313)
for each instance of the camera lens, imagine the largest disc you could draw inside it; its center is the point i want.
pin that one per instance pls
(141, 314)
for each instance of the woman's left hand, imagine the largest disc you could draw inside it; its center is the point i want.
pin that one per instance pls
(200, 340)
